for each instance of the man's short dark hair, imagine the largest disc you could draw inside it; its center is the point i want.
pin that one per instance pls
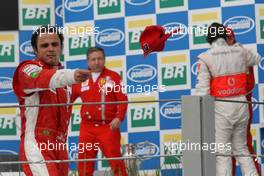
(45, 29)
(94, 49)
(216, 31)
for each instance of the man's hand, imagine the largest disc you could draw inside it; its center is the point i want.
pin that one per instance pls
(115, 123)
(81, 75)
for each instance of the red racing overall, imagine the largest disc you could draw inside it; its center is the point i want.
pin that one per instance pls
(95, 127)
(43, 128)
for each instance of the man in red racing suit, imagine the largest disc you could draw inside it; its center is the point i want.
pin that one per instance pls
(99, 127)
(44, 129)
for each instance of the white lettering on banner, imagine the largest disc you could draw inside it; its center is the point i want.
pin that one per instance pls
(5, 85)
(171, 110)
(76, 119)
(142, 113)
(243, 23)
(32, 13)
(135, 36)
(78, 3)
(110, 37)
(108, 3)
(147, 148)
(7, 123)
(143, 71)
(146, 72)
(6, 50)
(174, 72)
(79, 42)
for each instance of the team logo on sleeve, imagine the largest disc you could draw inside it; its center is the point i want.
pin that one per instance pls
(32, 70)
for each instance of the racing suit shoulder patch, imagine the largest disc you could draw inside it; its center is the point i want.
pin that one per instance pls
(32, 70)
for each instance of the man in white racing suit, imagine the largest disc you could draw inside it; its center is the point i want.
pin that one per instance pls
(222, 73)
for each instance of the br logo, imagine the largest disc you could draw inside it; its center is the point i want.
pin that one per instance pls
(7, 52)
(75, 120)
(7, 126)
(79, 45)
(174, 75)
(36, 16)
(143, 116)
(108, 6)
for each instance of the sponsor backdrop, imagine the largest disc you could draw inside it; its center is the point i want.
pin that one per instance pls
(116, 26)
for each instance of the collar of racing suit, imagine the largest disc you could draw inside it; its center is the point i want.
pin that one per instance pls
(219, 42)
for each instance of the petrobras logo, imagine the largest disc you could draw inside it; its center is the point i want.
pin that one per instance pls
(254, 106)
(59, 11)
(240, 24)
(73, 154)
(195, 68)
(170, 27)
(27, 49)
(110, 37)
(78, 5)
(141, 73)
(8, 152)
(171, 110)
(261, 63)
(147, 149)
(5, 85)
(138, 2)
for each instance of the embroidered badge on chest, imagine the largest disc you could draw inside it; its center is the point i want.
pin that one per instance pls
(102, 82)
(32, 70)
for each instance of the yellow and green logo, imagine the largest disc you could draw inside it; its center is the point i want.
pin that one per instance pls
(8, 122)
(108, 6)
(8, 49)
(174, 69)
(36, 12)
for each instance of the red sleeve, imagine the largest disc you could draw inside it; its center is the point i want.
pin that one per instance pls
(31, 77)
(120, 96)
(76, 89)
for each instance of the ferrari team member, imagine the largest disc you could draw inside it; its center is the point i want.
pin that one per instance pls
(40, 81)
(100, 123)
(222, 73)
(231, 40)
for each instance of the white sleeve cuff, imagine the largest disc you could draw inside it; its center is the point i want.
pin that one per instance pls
(61, 78)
